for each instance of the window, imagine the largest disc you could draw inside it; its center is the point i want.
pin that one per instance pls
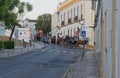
(64, 16)
(81, 11)
(74, 12)
(20, 33)
(77, 10)
(71, 13)
(61, 17)
(64, 32)
(68, 32)
(68, 14)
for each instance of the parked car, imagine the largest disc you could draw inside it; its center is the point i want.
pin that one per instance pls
(45, 39)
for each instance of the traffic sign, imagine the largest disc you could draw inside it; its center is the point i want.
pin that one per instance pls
(83, 33)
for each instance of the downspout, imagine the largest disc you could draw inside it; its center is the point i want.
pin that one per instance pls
(114, 54)
(97, 14)
(96, 20)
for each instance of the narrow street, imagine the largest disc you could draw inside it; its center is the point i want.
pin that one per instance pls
(49, 62)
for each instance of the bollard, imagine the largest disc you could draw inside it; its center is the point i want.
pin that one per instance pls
(8, 53)
(28, 48)
(83, 53)
(21, 50)
(13, 52)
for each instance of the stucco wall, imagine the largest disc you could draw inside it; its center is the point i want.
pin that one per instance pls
(107, 19)
(118, 38)
(107, 28)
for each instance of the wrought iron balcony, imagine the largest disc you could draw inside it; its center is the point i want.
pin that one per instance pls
(69, 21)
(76, 19)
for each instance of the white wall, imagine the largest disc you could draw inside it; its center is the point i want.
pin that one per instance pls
(28, 24)
(107, 27)
(55, 23)
(54, 20)
(118, 38)
(23, 33)
(107, 20)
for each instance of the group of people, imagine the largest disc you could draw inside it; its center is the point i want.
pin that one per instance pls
(69, 41)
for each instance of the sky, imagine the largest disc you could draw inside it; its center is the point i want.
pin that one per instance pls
(41, 6)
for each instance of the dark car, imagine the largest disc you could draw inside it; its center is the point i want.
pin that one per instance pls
(46, 40)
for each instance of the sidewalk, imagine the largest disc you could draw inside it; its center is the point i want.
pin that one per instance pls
(86, 68)
(19, 50)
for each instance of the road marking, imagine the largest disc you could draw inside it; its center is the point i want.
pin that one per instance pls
(72, 52)
(7, 74)
(57, 51)
(68, 70)
(50, 51)
(64, 51)
(42, 50)
(12, 72)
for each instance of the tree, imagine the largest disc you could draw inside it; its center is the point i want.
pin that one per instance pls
(44, 23)
(9, 16)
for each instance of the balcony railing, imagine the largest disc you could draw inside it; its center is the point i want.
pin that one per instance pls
(76, 19)
(62, 23)
(69, 21)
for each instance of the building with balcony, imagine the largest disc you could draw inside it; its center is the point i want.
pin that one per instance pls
(74, 16)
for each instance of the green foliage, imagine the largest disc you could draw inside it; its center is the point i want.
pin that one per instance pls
(44, 23)
(9, 45)
(29, 6)
(6, 7)
(9, 16)
(1, 45)
(11, 20)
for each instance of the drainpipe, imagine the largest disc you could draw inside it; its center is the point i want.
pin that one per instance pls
(97, 13)
(114, 52)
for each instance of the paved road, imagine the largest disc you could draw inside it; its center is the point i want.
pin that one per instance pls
(50, 62)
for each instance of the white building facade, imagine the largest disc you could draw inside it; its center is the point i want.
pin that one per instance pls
(28, 23)
(107, 37)
(20, 34)
(72, 17)
(26, 32)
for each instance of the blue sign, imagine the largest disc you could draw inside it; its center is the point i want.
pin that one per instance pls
(83, 33)
(2, 31)
(16, 34)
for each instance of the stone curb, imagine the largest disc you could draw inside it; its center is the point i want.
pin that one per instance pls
(71, 67)
(22, 53)
(69, 70)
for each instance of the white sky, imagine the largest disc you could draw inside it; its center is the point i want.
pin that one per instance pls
(41, 7)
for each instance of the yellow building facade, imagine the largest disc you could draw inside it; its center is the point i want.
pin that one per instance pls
(74, 16)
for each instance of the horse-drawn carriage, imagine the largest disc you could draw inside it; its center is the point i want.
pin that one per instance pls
(72, 42)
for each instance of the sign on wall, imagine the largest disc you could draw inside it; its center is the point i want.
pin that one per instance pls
(16, 33)
(83, 33)
(2, 29)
